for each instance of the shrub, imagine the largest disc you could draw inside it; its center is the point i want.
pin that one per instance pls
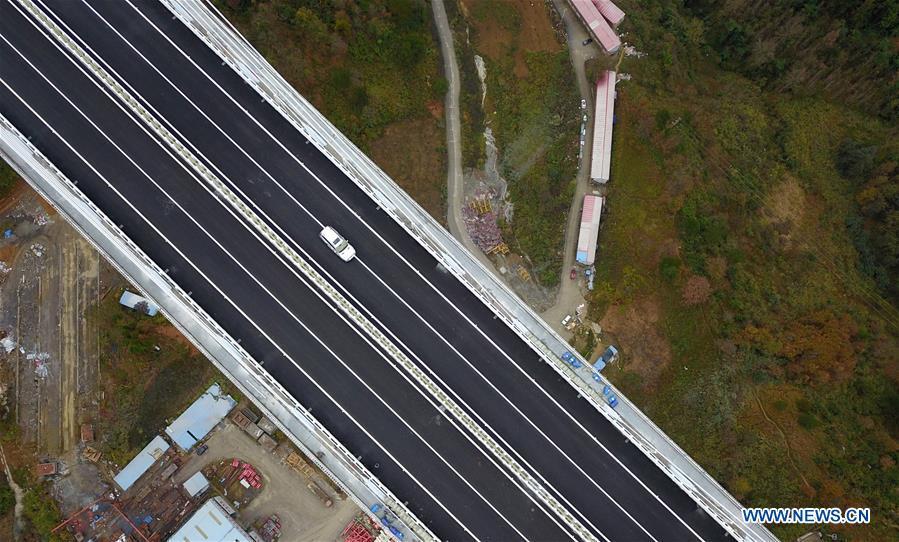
(669, 268)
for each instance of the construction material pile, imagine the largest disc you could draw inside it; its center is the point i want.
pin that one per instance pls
(482, 229)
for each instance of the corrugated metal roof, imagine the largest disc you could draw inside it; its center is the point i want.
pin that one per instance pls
(196, 484)
(597, 25)
(210, 523)
(141, 462)
(200, 417)
(601, 158)
(131, 300)
(586, 241)
(610, 11)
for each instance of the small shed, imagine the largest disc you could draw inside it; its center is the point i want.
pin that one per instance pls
(46, 469)
(253, 430)
(139, 303)
(268, 443)
(267, 425)
(252, 416)
(240, 419)
(196, 484)
(87, 432)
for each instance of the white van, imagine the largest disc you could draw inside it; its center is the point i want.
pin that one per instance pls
(338, 244)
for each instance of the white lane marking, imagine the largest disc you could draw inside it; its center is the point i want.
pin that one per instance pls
(410, 266)
(263, 333)
(301, 264)
(402, 373)
(332, 279)
(275, 344)
(393, 365)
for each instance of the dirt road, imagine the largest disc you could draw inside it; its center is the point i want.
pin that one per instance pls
(52, 281)
(571, 292)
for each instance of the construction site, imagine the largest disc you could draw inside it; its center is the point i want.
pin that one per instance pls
(216, 459)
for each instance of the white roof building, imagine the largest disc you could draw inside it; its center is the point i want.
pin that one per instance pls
(196, 484)
(589, 233)
(210, 523)
(200, 417)
(601, 156)
(132, 300)
(141, 463)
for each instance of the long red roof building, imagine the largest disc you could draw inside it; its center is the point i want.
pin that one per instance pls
(597, 26)
(601, 155)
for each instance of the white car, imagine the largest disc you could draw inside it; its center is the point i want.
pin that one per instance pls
(338, 244)
(583, 104)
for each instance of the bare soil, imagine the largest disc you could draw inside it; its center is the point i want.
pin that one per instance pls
(303, 517)
(637, 325)
(496, 40)
(421, 174)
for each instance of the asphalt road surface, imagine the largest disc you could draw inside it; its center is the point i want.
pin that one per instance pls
(357, 391)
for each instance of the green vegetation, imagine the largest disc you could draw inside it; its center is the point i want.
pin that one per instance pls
(369, 66)
(7, 497)
(365, 64)
(536, 126)
(41, 511)
(844, 49)
(145, 387)
(760, 226)
(8, 179)
(472, 114)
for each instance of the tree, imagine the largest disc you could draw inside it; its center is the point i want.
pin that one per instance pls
(818, 348)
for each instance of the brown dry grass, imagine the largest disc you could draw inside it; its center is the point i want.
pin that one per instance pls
(496, 40)
(422, 173)
(637, 326)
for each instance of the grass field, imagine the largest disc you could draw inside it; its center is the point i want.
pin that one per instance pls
(144, 388)
(532, 105)
(733, 273)
(372, 68)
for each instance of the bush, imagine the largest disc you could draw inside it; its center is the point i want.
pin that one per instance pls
(808, 421)
(669, 268)
(8, 178)
(7, 497)
(41, 511)
(855, 160)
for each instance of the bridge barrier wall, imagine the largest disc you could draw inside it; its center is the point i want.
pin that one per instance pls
(246, 373)
(208, 24)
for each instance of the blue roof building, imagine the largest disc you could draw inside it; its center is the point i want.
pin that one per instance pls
(141, 462)
(200, 417)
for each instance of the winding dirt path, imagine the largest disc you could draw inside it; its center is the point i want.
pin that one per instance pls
(453, 135)
(17, 528)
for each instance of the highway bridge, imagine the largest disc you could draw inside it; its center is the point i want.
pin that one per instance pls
(438, 398)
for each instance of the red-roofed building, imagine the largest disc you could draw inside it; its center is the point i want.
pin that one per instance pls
(597, 26)
(601, 155)
(610, 11)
